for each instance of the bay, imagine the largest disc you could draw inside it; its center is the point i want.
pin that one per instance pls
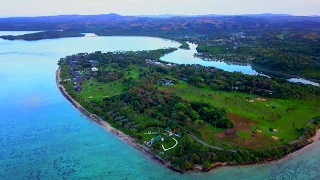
(42, 136)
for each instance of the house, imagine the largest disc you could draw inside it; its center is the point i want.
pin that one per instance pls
(167, 82)
(168, 129)
(124, 120)
(94, 69)
(155, 139)
(179, 134)
(158, 63)
(67, 80)
(135, 126)
(183, 78)
(129, 124)
(94, 63)
(73, 72)
(74, 64)
(119, 118)
(80, 55)
(78, 80)
(76, 88)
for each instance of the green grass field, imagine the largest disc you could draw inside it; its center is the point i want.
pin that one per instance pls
(97, 90)
(285, 116)
(281, 36)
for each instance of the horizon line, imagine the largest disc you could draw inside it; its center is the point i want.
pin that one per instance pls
(157, 15)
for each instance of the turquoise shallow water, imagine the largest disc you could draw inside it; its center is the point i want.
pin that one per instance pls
(43, 137)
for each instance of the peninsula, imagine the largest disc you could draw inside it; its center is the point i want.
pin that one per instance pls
(190, 117)
(43, 35)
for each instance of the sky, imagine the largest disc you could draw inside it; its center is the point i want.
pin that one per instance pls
(155, 7)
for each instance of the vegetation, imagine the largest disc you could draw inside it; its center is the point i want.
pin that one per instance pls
(293, 52)
(184, 45)
(43, 35)
(215, 116)
(286, 44)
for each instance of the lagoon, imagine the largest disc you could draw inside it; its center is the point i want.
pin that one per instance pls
(182, 56)
(43, 136)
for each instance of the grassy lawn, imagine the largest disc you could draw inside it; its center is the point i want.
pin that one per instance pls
(243, 134)
(168, 141)
(132, 71)
(281, 36)
(259, 114)
(148, 137)
(97, 90)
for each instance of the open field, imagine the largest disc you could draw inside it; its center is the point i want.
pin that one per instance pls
(283, 115)
(97, 90)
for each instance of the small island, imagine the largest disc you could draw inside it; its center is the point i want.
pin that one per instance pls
(43, 35)
(190, 117)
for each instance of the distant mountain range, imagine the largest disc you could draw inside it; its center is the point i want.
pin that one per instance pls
(169, 24)
(165, 15)
(214, 15)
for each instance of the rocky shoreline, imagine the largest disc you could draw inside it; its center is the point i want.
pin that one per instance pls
(145, 150)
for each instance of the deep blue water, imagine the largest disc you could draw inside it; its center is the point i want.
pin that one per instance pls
(42, 136)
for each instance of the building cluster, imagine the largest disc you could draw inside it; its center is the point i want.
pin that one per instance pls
(77, 75)
(157, 63)
(124, 121)
(176, 132)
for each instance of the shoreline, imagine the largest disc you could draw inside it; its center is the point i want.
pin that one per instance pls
(145, 150)
(262, 71)
(125, 138)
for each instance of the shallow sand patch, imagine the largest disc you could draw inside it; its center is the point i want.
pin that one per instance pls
(275, 138)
